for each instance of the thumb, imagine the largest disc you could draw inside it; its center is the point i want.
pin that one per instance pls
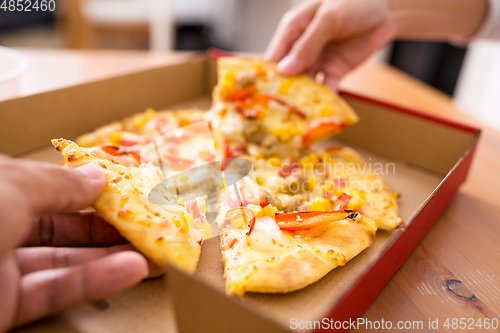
(308, 46)
(65, 189)
(33, 188)
(49, 188)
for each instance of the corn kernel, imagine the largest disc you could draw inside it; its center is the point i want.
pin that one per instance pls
(275, 162)
(260, 71)
(183, 179)
(357, 200)
(282, 134)
(314, 158)
(325, 157)
(304, 160)
(338, 191)
(140, 120)
(325, 112)
(319, 204)
(256, 210)
(177, 221)
(269, 211)
(150, 113)
(230, 78)
(306, 163)
(312, 183)
(115, 139)
(285, 87)
(187, 219)
(206, 229)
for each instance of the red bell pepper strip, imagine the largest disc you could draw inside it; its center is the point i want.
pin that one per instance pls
(113, 151)
(320, 129)
(293, 109)
(309, 220)
(240, 94)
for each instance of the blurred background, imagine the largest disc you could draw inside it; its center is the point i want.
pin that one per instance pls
(470, 74)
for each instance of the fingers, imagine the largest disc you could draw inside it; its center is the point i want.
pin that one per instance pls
(32, 188)
(340, 58)
(309, 45)
(290, 28)
(48, 188)
(41, 258)
(46, 292)
(73, 229)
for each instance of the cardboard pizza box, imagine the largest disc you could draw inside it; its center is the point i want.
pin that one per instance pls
(423, 158)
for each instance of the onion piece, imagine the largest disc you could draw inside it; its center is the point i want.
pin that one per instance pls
(267, 224)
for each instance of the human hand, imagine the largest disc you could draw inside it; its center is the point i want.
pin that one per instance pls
(37, 281)
(330, 36)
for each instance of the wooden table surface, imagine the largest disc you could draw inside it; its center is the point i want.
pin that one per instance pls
(460, 253)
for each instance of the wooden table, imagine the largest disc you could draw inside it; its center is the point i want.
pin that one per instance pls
(463, 245)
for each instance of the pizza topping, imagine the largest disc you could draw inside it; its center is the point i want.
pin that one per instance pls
(139, 120)
(287, 169)
(206, 231)
(187, 219)
(320, 204)
(275, 161)
(342, 202)
(232, 95)
(320, 129)
(269, 211)
(113, 151)
(241, 216)
(256, 210)
(267, 224)
(192, 208)
(285, 86)
(253, 107)
(291, 108)
(309, 220)
(325, 112)
(115, 139)
(179, 161)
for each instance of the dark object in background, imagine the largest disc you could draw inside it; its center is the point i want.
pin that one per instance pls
(13, 20)
(437, 64)
(193, 37)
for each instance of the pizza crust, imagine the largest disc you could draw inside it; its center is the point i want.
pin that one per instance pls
(287, 263)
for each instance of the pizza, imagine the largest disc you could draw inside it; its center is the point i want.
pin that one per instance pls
(288, 212)
(166, 234)
(313, 181)
(311, 214)
(255, 106)
(283, 252)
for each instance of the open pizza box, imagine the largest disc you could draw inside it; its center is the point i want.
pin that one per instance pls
(425, 159)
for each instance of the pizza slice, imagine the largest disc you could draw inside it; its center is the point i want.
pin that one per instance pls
(164, 233)
(266, 251)
(126, 138)
(315, 180)
(254, 105)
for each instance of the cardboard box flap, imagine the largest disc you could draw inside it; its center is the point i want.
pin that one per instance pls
(79, 109)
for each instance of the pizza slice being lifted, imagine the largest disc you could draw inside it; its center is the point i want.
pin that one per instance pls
(254, 106)
(166, 235)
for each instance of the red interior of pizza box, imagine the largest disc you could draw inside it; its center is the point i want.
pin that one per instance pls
(425, 160)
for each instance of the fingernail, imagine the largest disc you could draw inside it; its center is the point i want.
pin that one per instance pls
(93, 172)
(289, 65)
